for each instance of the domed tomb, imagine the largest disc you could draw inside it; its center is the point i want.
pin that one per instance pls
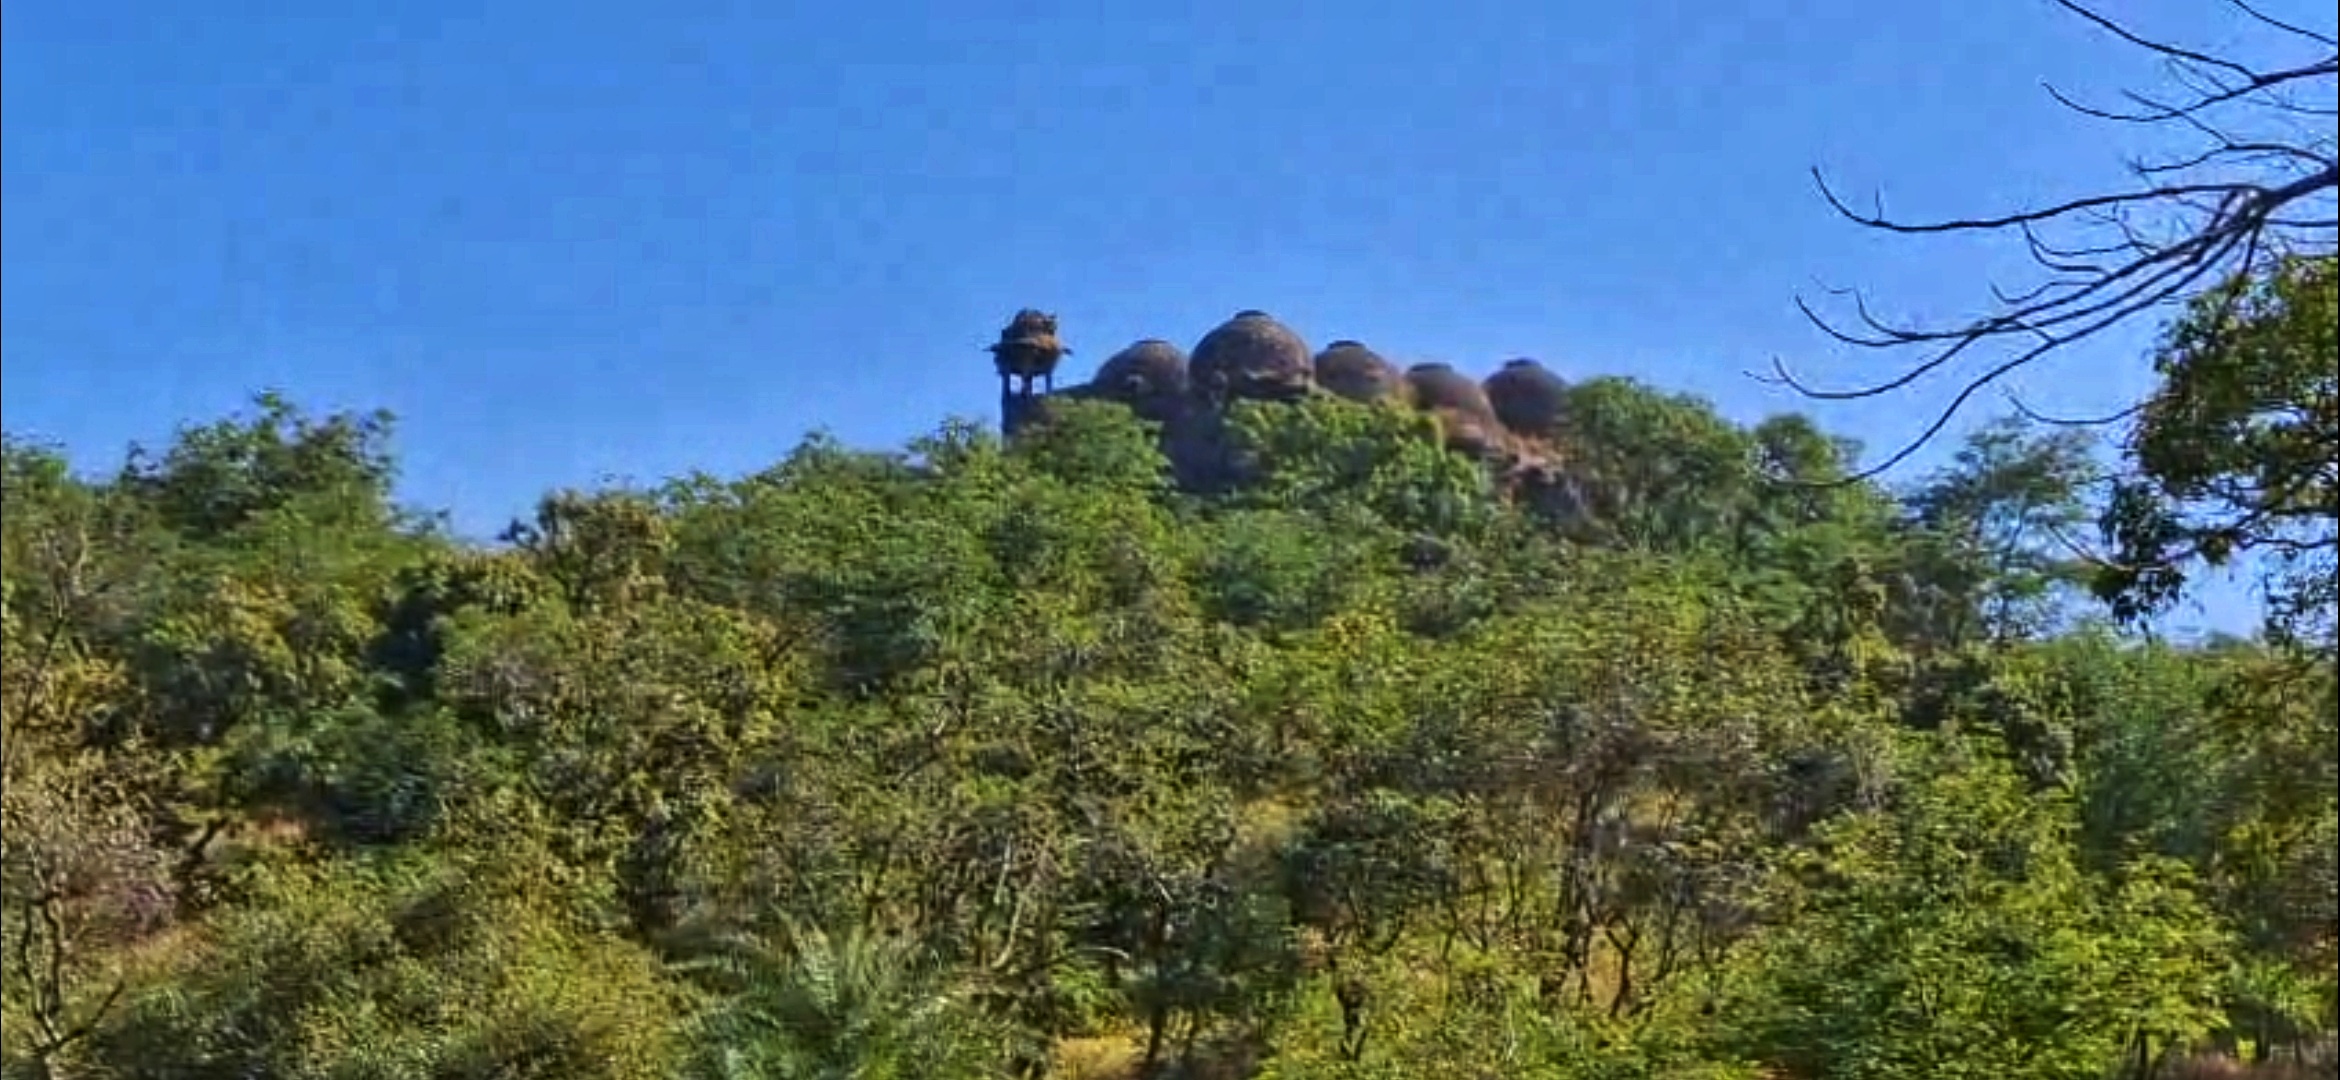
(1352, 371)
(1149, 376)
(1251, 356)
(1465, 416)
(1528, 398)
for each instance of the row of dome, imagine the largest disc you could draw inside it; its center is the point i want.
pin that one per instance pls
(1254, 356)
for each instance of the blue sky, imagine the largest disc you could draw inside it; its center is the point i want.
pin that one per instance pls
(571, 241)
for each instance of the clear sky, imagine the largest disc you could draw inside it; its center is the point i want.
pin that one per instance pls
(565, 241)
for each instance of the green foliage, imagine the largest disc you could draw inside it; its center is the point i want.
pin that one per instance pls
(1327, 455)
(216, 478)
(862, 1007)
(1955, 936)
(396, 970)
(1992, 533)
(1091, 444)
(1485, 1018)
(1011, 758)
(1660, 471)
(2235, 450)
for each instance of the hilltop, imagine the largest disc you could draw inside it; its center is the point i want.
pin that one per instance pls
(1516, 422)
(1230, 717)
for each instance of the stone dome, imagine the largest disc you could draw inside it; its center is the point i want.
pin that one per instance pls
(1352, 371)
(1528, 398)
(1440, 386)
(1149, 376)
(1251, 356)
(1465, 416)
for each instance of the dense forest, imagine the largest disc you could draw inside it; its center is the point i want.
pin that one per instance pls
(996, 757)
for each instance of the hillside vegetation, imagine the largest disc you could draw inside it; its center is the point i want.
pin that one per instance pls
(996, 758)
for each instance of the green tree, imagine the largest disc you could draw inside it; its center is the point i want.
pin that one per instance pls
(1993, 557)
(1957, 936)
(2238, 452)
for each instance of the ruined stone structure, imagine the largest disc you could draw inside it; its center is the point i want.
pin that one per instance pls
(1350, 370)
(1515, 421)
(1528, 398)
(1028, 350)
(1149, 377)
(1466, 420)
(1252, 356)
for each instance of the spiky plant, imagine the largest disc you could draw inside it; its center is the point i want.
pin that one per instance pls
(856, 1006)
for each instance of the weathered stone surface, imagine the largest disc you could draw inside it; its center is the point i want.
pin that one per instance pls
(1465, 418)
(1351, 370)
(1028, 347)
(1528, 398)
(1513, 421)
(1251, 356)
(1149, 376)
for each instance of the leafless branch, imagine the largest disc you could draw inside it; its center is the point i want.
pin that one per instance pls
(2209, 93)
(2227, 204)
(2325, 40)
(2035, 416)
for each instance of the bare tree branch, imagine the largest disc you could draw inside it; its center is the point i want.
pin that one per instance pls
(2226, 205)
(2035, 416)
(2212, 93)
(2320, 39)
(2172, 51)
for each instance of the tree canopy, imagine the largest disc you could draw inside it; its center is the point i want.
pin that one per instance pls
(990, 757)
